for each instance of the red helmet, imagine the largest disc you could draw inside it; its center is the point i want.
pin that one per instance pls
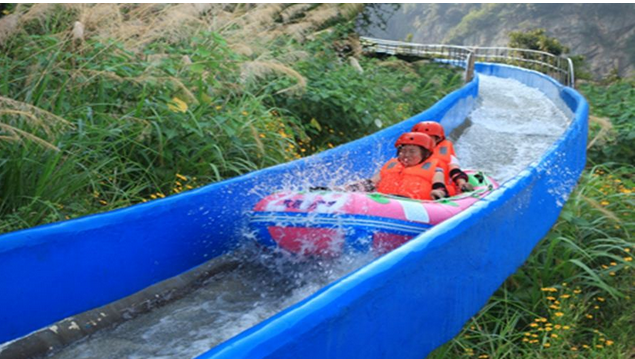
(417, 139)
(430, 128)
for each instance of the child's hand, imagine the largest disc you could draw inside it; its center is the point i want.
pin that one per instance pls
(438, 194)
(465, 186)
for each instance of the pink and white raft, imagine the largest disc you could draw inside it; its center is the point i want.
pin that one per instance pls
(331, 222)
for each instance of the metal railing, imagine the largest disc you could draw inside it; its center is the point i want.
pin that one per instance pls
(558, 67)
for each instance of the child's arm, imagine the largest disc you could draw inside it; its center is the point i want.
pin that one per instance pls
(438, 185)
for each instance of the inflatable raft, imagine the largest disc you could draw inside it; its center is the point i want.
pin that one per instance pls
(330, 222)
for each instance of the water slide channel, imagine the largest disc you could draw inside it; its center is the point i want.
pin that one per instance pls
(510, 127)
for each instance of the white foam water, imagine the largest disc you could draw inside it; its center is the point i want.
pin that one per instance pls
(511, 127)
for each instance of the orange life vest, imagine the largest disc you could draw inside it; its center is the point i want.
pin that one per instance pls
(413, 182)
(443, 152)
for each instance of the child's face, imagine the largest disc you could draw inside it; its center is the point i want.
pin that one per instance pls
(410, 155)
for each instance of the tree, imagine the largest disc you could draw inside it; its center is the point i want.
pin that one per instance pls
(536, 40)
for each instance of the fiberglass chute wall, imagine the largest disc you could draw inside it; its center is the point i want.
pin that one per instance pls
(54, 271)
(414, 299)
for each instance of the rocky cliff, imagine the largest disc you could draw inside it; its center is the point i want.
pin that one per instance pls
(603, 33)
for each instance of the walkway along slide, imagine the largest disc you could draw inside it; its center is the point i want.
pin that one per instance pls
(403, 304)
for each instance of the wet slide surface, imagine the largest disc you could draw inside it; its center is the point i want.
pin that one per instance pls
(511, 126)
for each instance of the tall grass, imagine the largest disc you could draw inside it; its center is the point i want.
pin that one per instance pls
(132, 108)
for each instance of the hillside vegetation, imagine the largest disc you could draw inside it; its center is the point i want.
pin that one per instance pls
(104, 106)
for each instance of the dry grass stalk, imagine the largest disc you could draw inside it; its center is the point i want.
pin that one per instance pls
(37, 12)
(252, 70)
(255, 135)
(353, 61)
(30, 118)
(294, 11)
(600, 208)
(17, 135)
(605, 129)
(11, 104)
(8, 27)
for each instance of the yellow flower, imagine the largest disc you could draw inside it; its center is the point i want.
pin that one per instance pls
(613, 264)
(153, 196)
(483, 356)
(559, 314)
(160, 195)
(181, 177)
(604, 203)
(575, 349)
(596, 307)
(549, 289)
(548, 329)
(566, 327)
(551, 298)
(547, 345)
(589, 316)
(627, 250)
(533, 325)
(245, 113)
(609, 342)
(628, 259)
(554, 335)
(585, 346)
(557, 326)
(262, 135)
(577, 291)
(219, 108)
(600, 299)
(599, 346)
(611, 273)
(527, 334)
(177, 105)
(188, 186)
(565, 296)
(103, 202)
(554, 307)
(525, 340)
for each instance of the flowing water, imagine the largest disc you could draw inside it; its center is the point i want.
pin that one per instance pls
(511, 127)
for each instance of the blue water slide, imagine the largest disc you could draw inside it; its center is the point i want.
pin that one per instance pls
(403, 304)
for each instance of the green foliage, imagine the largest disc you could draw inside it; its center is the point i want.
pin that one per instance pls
(615, 101)
(179, 115)
(536, 39)
(341, 104)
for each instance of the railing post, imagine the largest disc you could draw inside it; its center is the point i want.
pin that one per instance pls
(469, 67)
(571, 78)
